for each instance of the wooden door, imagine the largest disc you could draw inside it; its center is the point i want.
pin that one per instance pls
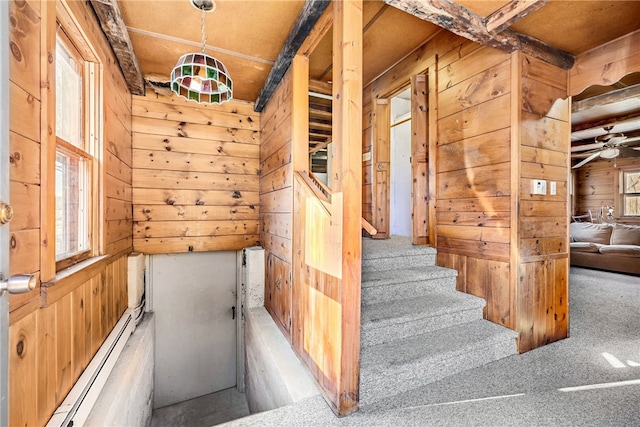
(419, 157)
(381, 165)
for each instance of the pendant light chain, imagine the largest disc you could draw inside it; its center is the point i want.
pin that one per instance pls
(202, 31)
(200, 77)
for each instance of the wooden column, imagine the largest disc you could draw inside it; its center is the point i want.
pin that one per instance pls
(381, 167)
(419, 159)
(300, 112)
(347, 184)
(432, 156)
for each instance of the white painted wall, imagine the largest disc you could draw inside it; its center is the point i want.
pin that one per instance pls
(127, 396)
(274, 376)
(192, 296)
(400, 173)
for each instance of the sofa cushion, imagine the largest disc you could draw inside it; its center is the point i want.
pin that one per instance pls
(621, 250)
(589, 232)
(625, 235)
(585, 247)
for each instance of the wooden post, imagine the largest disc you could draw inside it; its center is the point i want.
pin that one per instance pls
(381, 168)
(432, 156)
(300, 113)
(47, 142)
(347, 183)
(419, 159)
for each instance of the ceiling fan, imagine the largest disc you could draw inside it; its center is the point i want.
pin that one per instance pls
(608, 146)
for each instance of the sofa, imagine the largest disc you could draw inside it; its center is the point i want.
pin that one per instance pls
(613, 247)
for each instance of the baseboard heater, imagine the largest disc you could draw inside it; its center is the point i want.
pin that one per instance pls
(77, 406)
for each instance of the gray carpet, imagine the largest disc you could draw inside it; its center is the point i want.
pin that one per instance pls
(603, 350)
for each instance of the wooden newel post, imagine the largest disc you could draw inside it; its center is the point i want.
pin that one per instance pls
(347, 184)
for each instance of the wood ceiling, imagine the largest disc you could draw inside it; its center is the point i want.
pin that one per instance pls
(248, 35)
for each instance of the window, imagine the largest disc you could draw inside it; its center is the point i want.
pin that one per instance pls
(630, 192)
(74, 183)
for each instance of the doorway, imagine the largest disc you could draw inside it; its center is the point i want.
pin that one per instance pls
(400, 165)
(193, 300)
(400, 185)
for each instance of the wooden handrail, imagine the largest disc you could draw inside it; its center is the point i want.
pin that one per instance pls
(312, 186)
(366, 226)
(326, 191)
(323, 193)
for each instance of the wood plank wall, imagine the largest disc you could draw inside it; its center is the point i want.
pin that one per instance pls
(473, 194)
(497, 131)
(541, 292)
(317, 329)
(49, 348)
(302, 232)
(195, 175)
(25, 147)
(595, 185)
(276, 201)
(57, 328)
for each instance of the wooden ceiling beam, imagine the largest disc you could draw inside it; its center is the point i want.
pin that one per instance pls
(465, 23)
(511, 12)
(606, 98)
(611, 121)
(114, 28)
(310, 14)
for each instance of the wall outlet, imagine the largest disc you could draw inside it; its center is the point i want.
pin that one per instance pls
(552, 188)
(539, 186)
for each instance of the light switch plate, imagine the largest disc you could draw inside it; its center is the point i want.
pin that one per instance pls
(539, 186)
(552, 188)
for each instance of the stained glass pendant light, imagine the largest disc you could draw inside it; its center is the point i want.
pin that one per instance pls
(198, 76)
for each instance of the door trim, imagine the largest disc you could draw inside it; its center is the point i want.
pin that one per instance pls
(4, 196)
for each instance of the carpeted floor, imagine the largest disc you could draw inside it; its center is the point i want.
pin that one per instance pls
(591, 378)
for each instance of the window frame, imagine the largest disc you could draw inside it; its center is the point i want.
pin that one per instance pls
(620, 185)
(91, 122)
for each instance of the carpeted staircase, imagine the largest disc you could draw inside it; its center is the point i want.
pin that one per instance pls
(416, 328)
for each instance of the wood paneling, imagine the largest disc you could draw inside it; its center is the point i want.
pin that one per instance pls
(51, 327)
(195, 176)
(347, 186)
(606, 64)
(276, 198)
(50, 347)
(596, 186)
(542, 258)
(502, 121)
(542, 304)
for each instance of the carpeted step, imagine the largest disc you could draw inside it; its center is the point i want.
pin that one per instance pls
(398, 366)
(408, 257)
(378, 286)
(393, 320)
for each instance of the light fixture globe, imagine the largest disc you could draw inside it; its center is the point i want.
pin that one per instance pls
(198, 76)
(201, 78)
(609, 153)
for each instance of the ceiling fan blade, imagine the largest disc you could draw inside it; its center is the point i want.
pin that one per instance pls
(629, 152)
(584, 155)
(632, 142)
(616, 140)
(586, 147)
(587, 160)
